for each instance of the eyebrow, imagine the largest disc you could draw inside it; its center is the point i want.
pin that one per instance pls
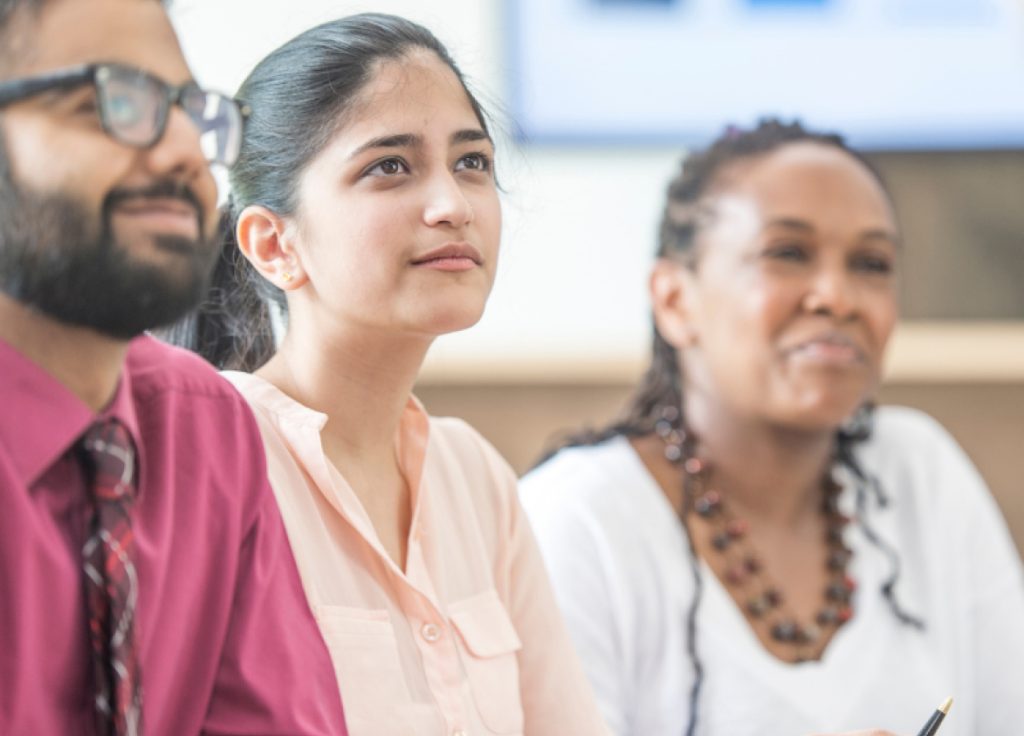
(411, 140)
(869, 234)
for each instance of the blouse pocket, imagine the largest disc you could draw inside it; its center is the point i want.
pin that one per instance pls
(364, 651)
(490, 645)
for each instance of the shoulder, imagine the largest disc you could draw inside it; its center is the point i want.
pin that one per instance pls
(604, 488)
(906, 428)
(456, 443)
(585, 474)
(923, 469)
(177, 393)
(907, 441)
(157, 368)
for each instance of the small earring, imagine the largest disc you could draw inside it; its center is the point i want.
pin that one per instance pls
(286, 276)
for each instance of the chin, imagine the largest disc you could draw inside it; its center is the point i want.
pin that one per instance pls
(446, 321)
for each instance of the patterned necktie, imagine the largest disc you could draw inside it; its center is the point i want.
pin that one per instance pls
(111, 584)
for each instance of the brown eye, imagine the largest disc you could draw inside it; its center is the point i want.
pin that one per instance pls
(388, 167)
(791, 252)
(474, 162)
(873, 264)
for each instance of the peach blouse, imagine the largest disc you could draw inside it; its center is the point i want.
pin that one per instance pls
(468, 638)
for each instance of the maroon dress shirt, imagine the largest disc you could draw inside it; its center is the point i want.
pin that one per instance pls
(226, 641)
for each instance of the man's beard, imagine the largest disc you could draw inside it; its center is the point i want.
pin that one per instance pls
(57, 259)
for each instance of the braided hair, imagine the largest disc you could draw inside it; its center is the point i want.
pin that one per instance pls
(661, 384)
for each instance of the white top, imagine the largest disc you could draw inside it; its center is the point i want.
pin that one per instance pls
(618, 560)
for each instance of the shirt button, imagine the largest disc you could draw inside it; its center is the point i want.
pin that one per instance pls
(431, 633)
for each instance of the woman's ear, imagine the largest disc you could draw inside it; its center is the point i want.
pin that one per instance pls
(264, 238)
(672, 289)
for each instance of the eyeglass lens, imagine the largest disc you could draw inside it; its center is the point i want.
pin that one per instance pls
(134, 107)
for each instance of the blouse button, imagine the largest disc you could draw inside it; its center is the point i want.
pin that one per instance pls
(431, 632)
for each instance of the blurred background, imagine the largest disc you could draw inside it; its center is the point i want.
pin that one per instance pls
(594, 101)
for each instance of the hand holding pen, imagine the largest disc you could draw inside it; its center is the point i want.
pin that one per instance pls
(930, 728)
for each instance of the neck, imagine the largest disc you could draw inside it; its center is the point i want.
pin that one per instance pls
(360, 379)
(86, 362)
(768, 472)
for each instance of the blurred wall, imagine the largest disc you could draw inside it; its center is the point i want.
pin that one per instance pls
(567, 326)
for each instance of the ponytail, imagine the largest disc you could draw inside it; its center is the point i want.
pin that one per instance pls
(232, 328)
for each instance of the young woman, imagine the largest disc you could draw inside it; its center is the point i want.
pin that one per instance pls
(364, 203)
(753, 549)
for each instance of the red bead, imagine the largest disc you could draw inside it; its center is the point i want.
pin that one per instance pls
(735, 575)
(845, 614)
(850, 583)
(752, 565)
(693, 465)
(737, 528)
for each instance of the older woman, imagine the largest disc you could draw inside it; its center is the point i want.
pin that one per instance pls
(753, 549)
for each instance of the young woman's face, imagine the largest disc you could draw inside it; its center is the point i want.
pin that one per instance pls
(794, 294)
(399, 217)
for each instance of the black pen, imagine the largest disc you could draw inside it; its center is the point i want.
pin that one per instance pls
(932, 727)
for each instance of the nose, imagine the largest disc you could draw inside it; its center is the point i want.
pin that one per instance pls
(831, 292)
(447, 203)
(178, 152)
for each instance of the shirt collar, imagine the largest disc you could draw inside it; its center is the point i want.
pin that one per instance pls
(411, 440)
(44, 417)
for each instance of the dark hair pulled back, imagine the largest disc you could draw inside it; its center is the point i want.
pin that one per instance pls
(299, 96)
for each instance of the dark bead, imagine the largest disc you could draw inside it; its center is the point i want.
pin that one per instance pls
(837, 559)
(708, 504)
(773, 597)
(784, 631)
(752, 564)
(837, 591)
(833, 533)
(757, 606)
(721, 541)
(827, 616)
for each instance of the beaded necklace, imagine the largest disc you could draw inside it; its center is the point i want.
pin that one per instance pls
(744, 572)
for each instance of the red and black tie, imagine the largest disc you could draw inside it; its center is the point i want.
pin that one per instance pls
(111, 583)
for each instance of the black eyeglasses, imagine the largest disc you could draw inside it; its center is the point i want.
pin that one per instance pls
(133, 106)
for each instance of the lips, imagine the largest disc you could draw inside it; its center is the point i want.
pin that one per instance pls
(832, 347)
(452, 254)
(451, 258)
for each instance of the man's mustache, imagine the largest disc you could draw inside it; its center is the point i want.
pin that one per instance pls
(163, 189)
